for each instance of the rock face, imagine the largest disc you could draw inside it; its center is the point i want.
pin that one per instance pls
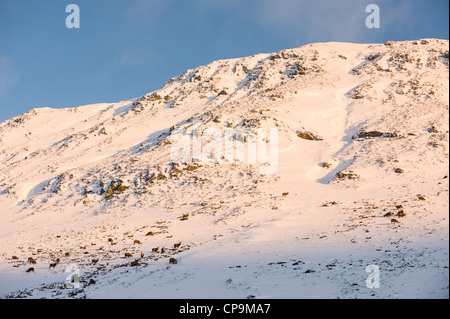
(108, 177)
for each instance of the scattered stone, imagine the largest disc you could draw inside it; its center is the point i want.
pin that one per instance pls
(401, 213)
(135, 263)
(177, 245)
(192, 168)
(332, 203)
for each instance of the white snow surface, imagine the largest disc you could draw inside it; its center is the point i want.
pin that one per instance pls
(76, 184)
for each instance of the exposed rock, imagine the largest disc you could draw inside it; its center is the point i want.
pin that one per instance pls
(345, 175)
(116, 187)
(374, 134)
(432, 129)
(309, 136)
(326, 165)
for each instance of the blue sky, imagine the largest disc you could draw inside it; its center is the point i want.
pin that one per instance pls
(124, 49)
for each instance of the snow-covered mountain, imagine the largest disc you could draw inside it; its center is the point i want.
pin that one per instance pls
(359, 177)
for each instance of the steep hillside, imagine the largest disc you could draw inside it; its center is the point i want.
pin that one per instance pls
(357, 174)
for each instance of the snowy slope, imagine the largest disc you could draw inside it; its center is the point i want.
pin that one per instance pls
(83, 184)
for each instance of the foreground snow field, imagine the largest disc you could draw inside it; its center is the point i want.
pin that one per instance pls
(361, 180)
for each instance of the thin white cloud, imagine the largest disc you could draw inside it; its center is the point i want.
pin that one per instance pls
(143, 8)
(127, 59)
(327, 20)
(316, 20)
(402, 14)
(9, 75)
